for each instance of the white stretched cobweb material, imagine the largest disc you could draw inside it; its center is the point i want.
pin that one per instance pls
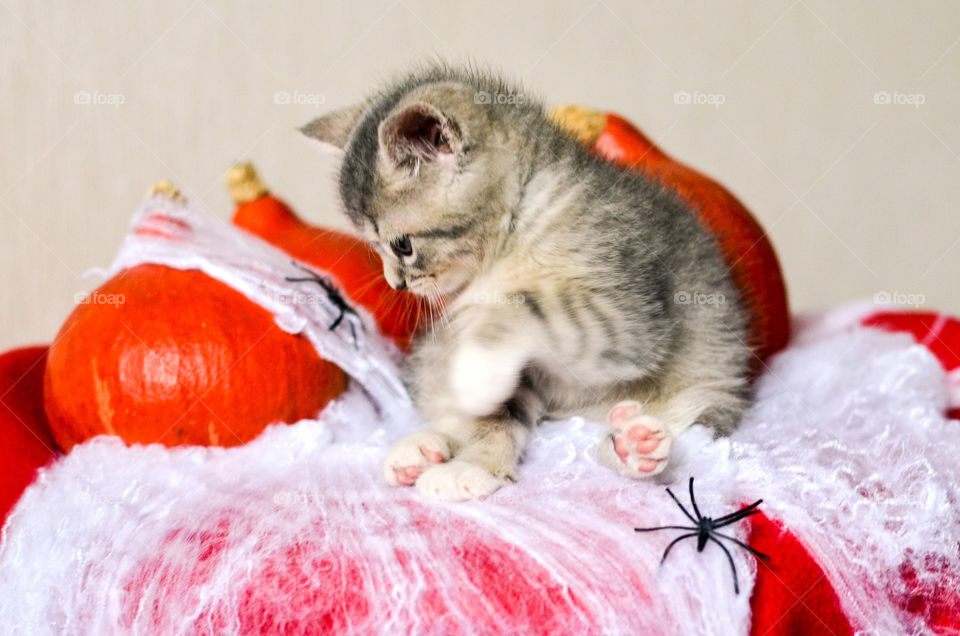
(849, 447)
(165, 232)
(295, 532)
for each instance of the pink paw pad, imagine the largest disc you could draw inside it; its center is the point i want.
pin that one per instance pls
(434, 457)
(623, 446)
(648, 465)
(408, 475)
(638, 440)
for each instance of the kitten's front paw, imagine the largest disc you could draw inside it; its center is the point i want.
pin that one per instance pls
(483, 378)
(458, 480)
(412, 455)
(638, 444)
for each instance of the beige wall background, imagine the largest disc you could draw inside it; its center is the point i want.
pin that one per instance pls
(836, 122)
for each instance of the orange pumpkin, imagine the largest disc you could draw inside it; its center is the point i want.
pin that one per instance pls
(742, 241)
(352, 262)
(176, 357)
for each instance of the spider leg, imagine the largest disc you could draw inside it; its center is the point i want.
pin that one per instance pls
(751, 509)
(733, 568)
(353, 332)
(336, 323)
(677, 501)
(743, 545)
(290, 279)
(664, 528)
(674, 542)
(733, 518)
(303, 268)
(693, 501)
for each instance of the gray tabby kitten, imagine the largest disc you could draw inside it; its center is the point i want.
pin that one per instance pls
(563, 279)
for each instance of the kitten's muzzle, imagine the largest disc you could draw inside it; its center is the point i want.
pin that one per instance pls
(395, 278)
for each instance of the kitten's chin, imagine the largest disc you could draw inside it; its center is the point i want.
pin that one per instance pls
(452, 291)
(435, 293)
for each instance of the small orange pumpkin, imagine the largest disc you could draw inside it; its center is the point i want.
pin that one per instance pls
(176, 357)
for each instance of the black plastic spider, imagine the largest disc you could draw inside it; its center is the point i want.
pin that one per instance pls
(705, 529)
(332, 294)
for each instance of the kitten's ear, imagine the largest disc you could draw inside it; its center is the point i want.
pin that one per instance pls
(418, 131)
(333, 129)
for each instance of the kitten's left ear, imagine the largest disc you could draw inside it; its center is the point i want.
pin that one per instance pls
(333, 129)
(418, 132)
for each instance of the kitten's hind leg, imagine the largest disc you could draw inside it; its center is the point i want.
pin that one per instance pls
(638, 444)
(641, 435)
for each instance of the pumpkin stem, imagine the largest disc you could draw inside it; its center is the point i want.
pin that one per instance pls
(584, 124)
(167, 190)
(244, 183)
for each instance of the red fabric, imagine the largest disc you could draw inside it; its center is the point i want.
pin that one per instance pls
(792, 594)
(25, 440)
(940, 333)
(938, 604)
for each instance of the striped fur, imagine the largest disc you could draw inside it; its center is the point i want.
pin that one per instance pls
(569, 284)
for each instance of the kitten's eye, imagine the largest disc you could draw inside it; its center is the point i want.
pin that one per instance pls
(401, 246)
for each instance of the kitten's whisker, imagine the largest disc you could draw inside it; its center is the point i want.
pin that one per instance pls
(416, 319)
(366, 284)
(445, 321)
(386, 303)
(425, 314)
